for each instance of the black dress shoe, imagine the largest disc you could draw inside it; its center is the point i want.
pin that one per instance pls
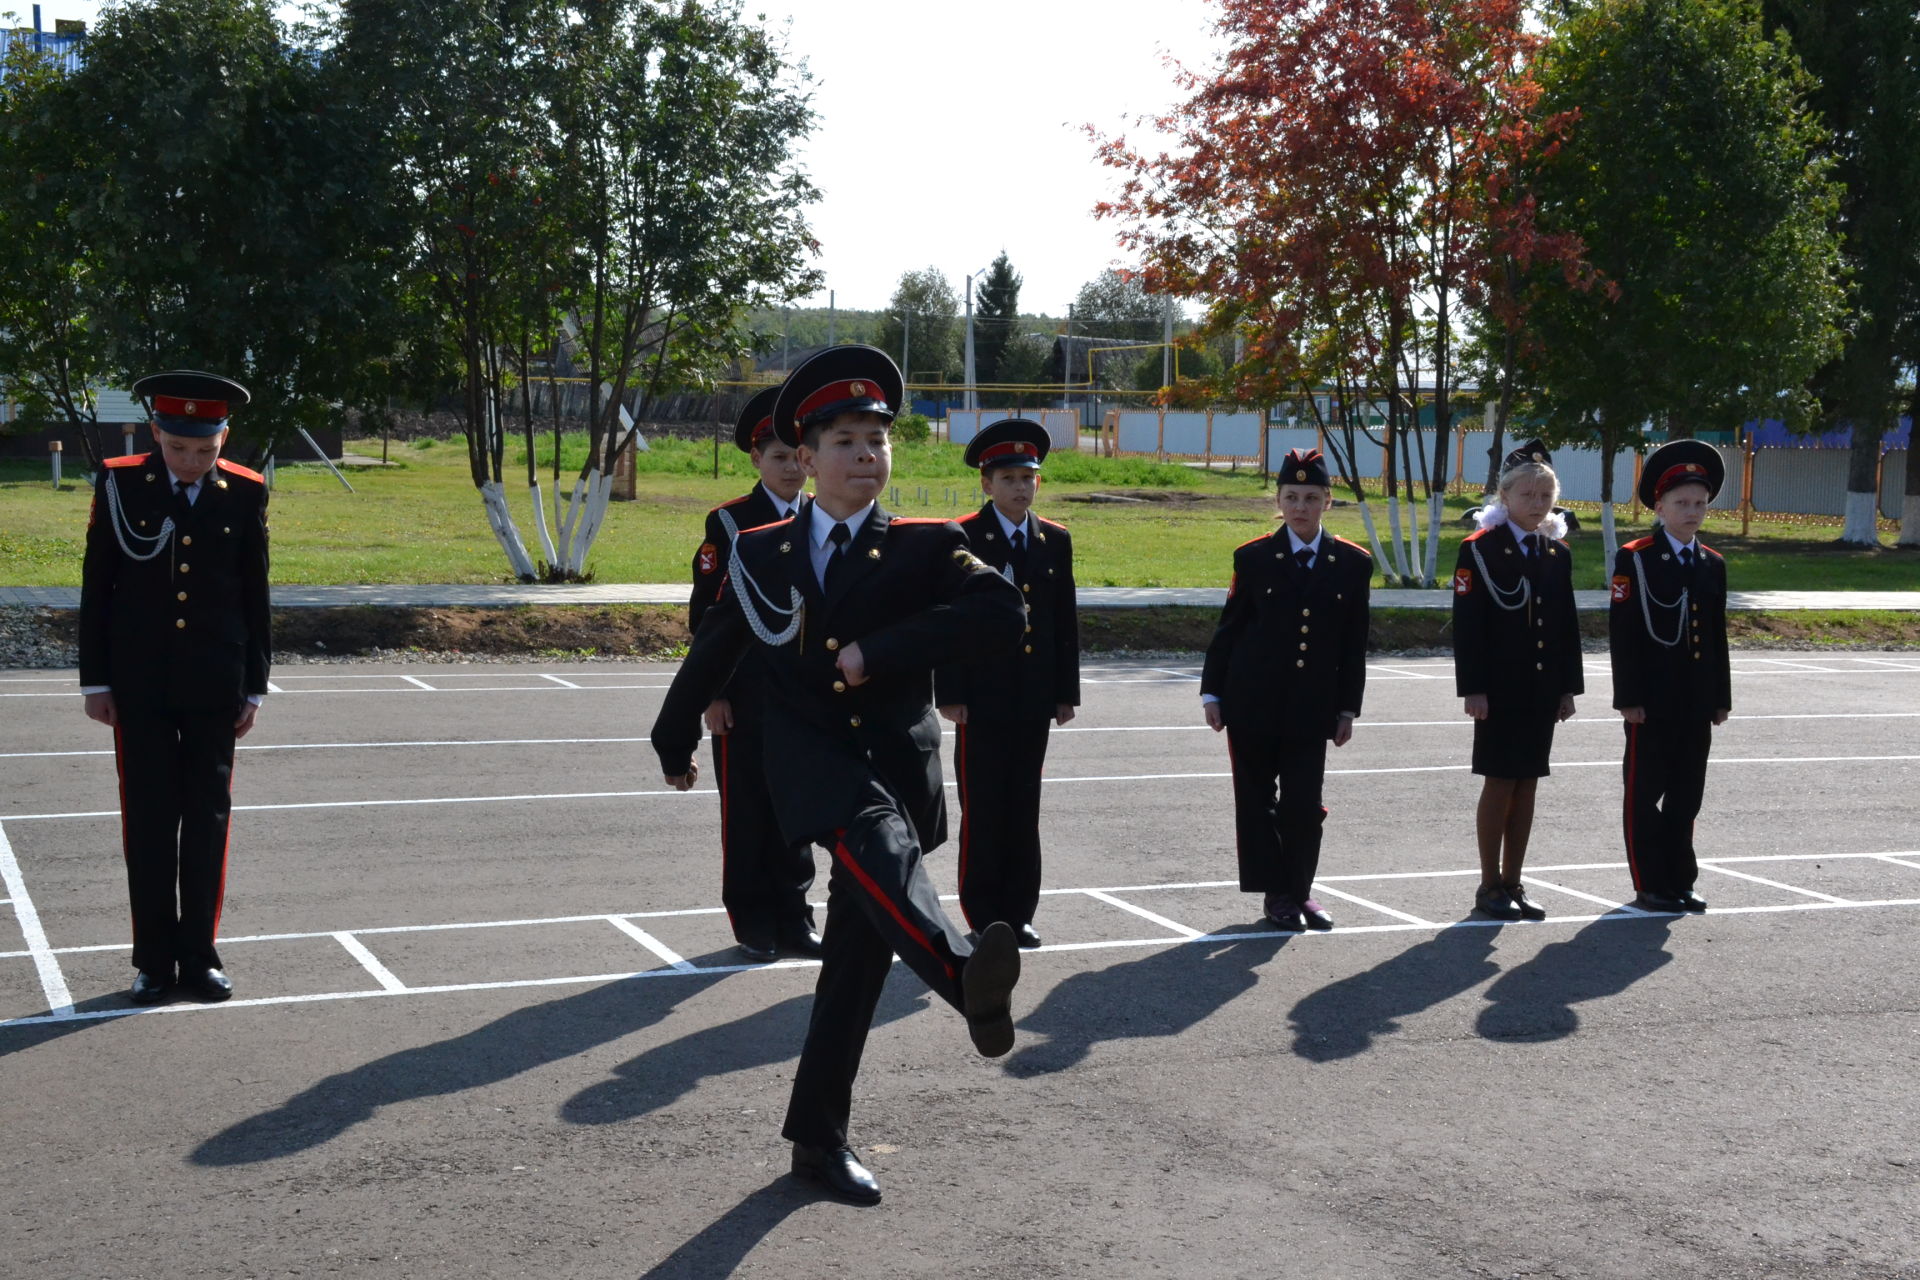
(1693, 901)
(150, 988)
(1316, 916)
(1281, 914)
(1027, 937)
(802, 941)
(1659, 903)
(1494, 900)
(986, 987)
(838, 1171)
(209, 984)
(757, 951)
(1529, 909)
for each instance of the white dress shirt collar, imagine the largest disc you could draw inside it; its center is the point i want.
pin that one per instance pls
(1293, 541)
(823, 525)
(780, 504)
(1009, 528)
(1678, 546)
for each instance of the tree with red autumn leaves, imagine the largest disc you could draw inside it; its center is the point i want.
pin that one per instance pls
(1337, 192)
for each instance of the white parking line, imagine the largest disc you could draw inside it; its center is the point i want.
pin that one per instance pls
(1143, 913)
(651, 943)
(1772, 884)
(1898, 862)
(1538, 883)
(370, 962)
(53, 983)
(564, 684)
(418, 683)
(1371, 905)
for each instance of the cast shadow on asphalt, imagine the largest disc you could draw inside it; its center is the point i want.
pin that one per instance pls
(506, 1047)
(1164, 993)
(722, 1245)
(1532, 1001)
(667, 1072)
(18, 1039)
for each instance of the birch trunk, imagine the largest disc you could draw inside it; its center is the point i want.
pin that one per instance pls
(1436, 512)
(1373, 535)
(1608, 542)
(1862, 527)
(494, 495)
(1909, 521)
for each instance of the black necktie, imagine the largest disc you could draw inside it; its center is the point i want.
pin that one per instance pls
(1304, 558)
(181, 503)
(1536, 544)
(1686, 559)
(838, 536)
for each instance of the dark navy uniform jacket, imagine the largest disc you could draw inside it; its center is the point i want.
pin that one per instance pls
(1522, 658)
(191, 627)
(1671, 660)
(913, 596)
(1291, 647)
(1044, 672)
(749, 511)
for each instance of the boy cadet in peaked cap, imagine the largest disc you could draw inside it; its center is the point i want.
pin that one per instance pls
(764, 877)
(1516, 662)
(1672, 682)
(851, 607)
(174, 647)
(1284, 674)
(1003, 706)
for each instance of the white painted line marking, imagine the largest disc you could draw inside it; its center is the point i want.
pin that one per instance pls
(370, 962)
(274, 688)
(1171, 925)
(53, 983)
(418, 683)
(564, 684)
(1772, 884)
(1374, 906)
(1576, 893)
(698, 971)
(1898, 862)
(650, 942)
(1188, 676)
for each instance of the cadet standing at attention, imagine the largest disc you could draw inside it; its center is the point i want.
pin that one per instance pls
(852, 608)
(174, 647)
(1671, 678)
(1003, 707)
(1284, 673)
(1516, 661)
(764, 877)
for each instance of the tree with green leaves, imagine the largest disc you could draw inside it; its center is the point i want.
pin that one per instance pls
(921, 326)
(996, 318)
(1865, 58)
(1116, 305)
(1693, 177)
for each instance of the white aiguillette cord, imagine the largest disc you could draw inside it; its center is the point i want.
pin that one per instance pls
(738, 572)
(118, 515)
(1647, 602)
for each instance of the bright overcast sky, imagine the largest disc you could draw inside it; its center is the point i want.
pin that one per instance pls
(949, 132)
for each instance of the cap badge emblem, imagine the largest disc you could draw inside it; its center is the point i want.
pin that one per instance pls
(1299, 475)
(858, 388)
(191, 407)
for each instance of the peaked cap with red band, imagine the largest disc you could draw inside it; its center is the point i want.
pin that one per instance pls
(1531, 451)
(1010, 442)
(849, 379)
(755, 427)
(1304, 466)
(1680, 462)
(186, 402)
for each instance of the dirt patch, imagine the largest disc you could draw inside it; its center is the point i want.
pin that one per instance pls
(628, 631)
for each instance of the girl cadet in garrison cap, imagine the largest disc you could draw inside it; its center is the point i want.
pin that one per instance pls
(1516, 661)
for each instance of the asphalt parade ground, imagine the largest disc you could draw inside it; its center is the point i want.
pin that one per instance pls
(489, 1021)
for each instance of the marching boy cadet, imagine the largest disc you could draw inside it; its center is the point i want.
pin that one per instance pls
(1284, 674)
(850, 608)
(764, 877)
(1004, 706)
(1667, 632)
(1516, 661)
(174, 646)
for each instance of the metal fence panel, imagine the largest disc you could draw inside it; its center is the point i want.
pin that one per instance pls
(1185, 433)
(1281, 439)
(1138, 431)
(1237, 435)
(1806, 482)
(1893, 483)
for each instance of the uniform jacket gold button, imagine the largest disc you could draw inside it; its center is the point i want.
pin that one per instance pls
(186, 540)
(149, 477)
(1299, 662)
(839, 686)
(185, 568)
(183, 595)
(225, 529)
(1539, 666)
(1029, 648)
(832, 644)
(854, 721)
(1303, 644)
(1305, 630)
(1539, 644)
(1027, 587)
(1306, 613)
(181, 624)
(1029, 628)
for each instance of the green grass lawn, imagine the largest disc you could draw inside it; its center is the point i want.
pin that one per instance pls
(421, 521)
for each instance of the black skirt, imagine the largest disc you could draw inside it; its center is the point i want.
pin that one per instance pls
(1514, 742)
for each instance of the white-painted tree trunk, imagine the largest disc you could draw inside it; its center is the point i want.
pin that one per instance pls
(1862, 527)
(1608, 538)
(1436, 512)
(540, 523)
(1411, 527)
(1909, 519)
(1398, 566)
(1373, 534)
(494, 496)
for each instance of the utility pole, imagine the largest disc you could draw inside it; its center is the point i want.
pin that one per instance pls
(833, 317)
(906, 343)
(973, 400)
(1166, 352)
(786, 340)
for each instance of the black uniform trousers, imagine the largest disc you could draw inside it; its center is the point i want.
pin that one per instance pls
(763, 878)
(176, 781)
(1277, 814)
(880, 903)
(998, 763)
(1666, 776)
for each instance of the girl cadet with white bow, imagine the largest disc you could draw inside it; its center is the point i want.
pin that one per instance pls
(1516, 662)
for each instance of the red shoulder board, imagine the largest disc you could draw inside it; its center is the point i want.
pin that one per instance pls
(129, 460)
(1051, 524)
(238, 470)
(1475, 536)
(1251, 541)
(733, 502)
(897, 521)
(971, 515)
(1704, 547)
(1353, 546)
(757, 528)
(1639, 544)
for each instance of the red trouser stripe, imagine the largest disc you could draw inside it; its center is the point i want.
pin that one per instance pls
(226, 844)
(966, 812)
(1633, 744)
(866, 882)
(126, 839)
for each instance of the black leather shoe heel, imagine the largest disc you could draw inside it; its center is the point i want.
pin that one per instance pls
(838, 1171)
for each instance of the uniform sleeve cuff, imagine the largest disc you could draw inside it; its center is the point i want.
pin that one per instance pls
(1208, 699)
(96, 688)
